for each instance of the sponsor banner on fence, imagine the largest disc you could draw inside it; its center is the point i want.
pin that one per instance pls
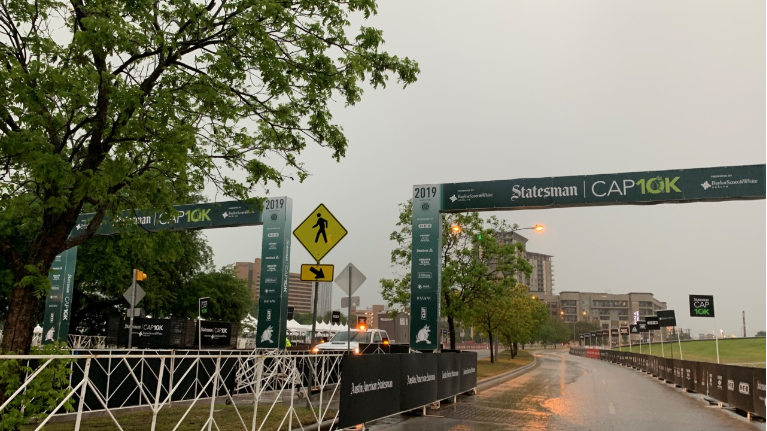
(152, 333)
(370, 388)
(717, 381)
(468, 371)
(739, 387)
(449, 375)
(218, 334)
(760, 380)
(418, 380)
(687, 370)
(700, 377)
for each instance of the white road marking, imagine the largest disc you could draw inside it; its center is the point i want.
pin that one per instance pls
(612, 408)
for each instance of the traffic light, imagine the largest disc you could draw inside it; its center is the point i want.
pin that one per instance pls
(140, 275)
(362, 323)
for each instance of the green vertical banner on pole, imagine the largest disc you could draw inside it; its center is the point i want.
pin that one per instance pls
(58, 303)
(426, 268)
(275, 273)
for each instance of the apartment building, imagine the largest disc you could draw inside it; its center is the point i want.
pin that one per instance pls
(541, 280)
(300, 293)
(604, 309)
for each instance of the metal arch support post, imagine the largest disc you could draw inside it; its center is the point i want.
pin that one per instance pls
(349, 315)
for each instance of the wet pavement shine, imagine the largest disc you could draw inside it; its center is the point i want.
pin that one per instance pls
(564, 392)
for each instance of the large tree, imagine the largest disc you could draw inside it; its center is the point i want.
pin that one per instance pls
(112, 105)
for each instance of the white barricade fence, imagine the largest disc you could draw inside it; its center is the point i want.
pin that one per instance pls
(256, 387)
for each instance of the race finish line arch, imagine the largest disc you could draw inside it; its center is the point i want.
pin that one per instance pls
(635, 188)
(275, 259)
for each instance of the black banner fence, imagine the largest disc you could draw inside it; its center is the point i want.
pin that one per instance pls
(120, 381)
(376, 386)
(171, 333)
(743, 388)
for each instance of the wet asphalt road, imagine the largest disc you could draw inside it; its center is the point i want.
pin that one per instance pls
(565, 392)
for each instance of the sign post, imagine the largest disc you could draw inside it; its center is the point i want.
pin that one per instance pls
(202, 308)
(624, 330)
(633, 329)
(703, 306)
(352, 278)
(666, 318)
(134, 294)
(642, 325)
(653, 325)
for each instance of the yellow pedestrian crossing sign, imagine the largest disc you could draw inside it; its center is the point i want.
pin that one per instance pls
(320, 232)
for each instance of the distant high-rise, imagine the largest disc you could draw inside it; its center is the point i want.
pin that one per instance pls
(325, 295)
(300, 293)
(541, 280)
(251, 273)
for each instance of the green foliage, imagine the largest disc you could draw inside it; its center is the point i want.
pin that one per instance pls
(479, 266)
(42, 394)
(170, 259)
(229, 296)
(523, 318)
(584, 327)
(112, 105)
(554, 331)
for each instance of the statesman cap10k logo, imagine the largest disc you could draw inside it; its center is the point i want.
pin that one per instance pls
(702, 306)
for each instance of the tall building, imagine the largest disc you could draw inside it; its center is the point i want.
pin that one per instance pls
(300, 293)
(251, 273)
(541, 280)
(325, 295)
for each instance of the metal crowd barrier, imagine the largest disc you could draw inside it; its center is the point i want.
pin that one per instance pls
(110, 382)
(740, 387)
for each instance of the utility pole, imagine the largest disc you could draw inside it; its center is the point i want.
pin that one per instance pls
(744, 323)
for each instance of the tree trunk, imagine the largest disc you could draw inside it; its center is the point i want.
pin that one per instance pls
(450, 322)
(451, 329)
(492, 355)
(20, 324)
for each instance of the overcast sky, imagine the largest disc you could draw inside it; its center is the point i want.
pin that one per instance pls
(526, 89)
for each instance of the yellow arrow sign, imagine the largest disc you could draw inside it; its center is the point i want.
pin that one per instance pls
(320, 232)
(316, 272)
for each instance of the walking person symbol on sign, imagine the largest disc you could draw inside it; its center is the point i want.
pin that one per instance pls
(320, 232)
(322, 224)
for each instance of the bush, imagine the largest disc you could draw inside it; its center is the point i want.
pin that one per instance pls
(42, 394)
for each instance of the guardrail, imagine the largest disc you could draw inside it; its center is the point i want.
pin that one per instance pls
(740, 387)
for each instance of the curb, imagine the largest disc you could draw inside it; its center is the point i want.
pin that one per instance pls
(492, 381)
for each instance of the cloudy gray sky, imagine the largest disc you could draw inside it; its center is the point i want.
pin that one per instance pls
(525, 89)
